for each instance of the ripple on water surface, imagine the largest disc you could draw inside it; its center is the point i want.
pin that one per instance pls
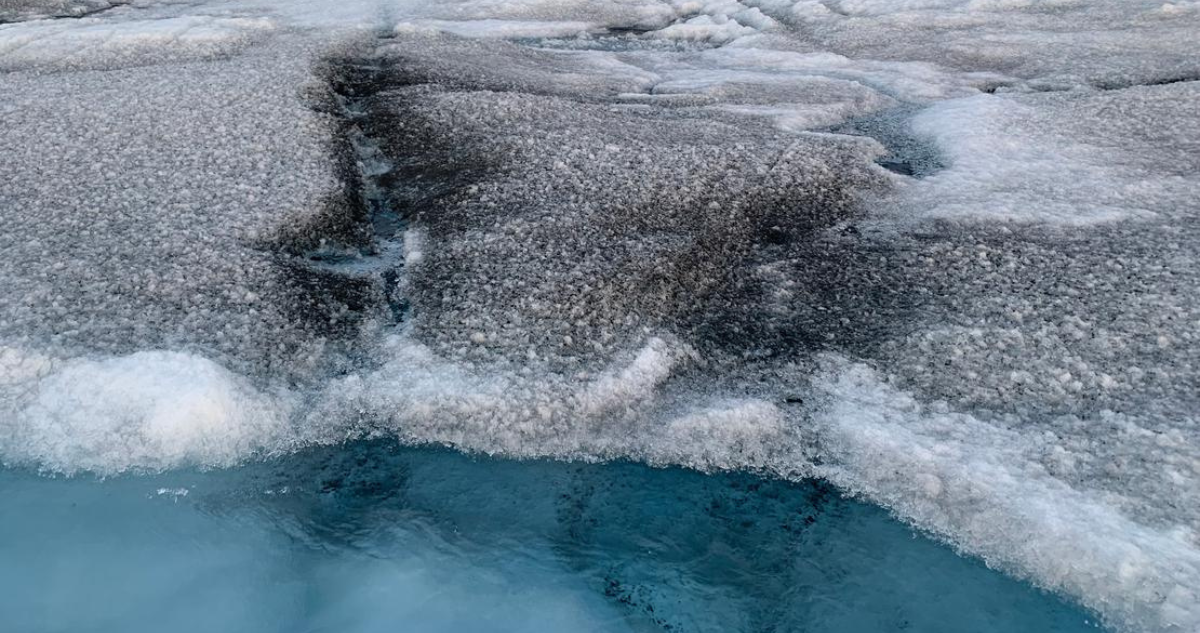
(375, 537)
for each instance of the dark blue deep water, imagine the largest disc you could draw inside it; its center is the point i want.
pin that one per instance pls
(377, 537)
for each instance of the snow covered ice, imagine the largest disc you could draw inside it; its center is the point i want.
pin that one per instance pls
(940, 254)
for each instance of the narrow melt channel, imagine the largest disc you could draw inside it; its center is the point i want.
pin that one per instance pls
(383, 256)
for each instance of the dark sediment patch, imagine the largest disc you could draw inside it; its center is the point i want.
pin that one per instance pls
(907, 155)
(562, 227)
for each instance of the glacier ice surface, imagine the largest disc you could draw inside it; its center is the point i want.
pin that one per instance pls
(645, 230)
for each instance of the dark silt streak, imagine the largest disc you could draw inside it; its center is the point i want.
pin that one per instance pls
(344, 261)
(383, 255)
(69, 11)
(1161, 80)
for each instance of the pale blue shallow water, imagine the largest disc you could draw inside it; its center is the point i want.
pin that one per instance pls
(376, 537)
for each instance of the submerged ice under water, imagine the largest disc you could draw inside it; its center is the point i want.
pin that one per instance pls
(372, 536)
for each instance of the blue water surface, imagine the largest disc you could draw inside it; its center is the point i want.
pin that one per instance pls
(373, 536)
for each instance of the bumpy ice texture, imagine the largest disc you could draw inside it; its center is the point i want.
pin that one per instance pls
(940, 252)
